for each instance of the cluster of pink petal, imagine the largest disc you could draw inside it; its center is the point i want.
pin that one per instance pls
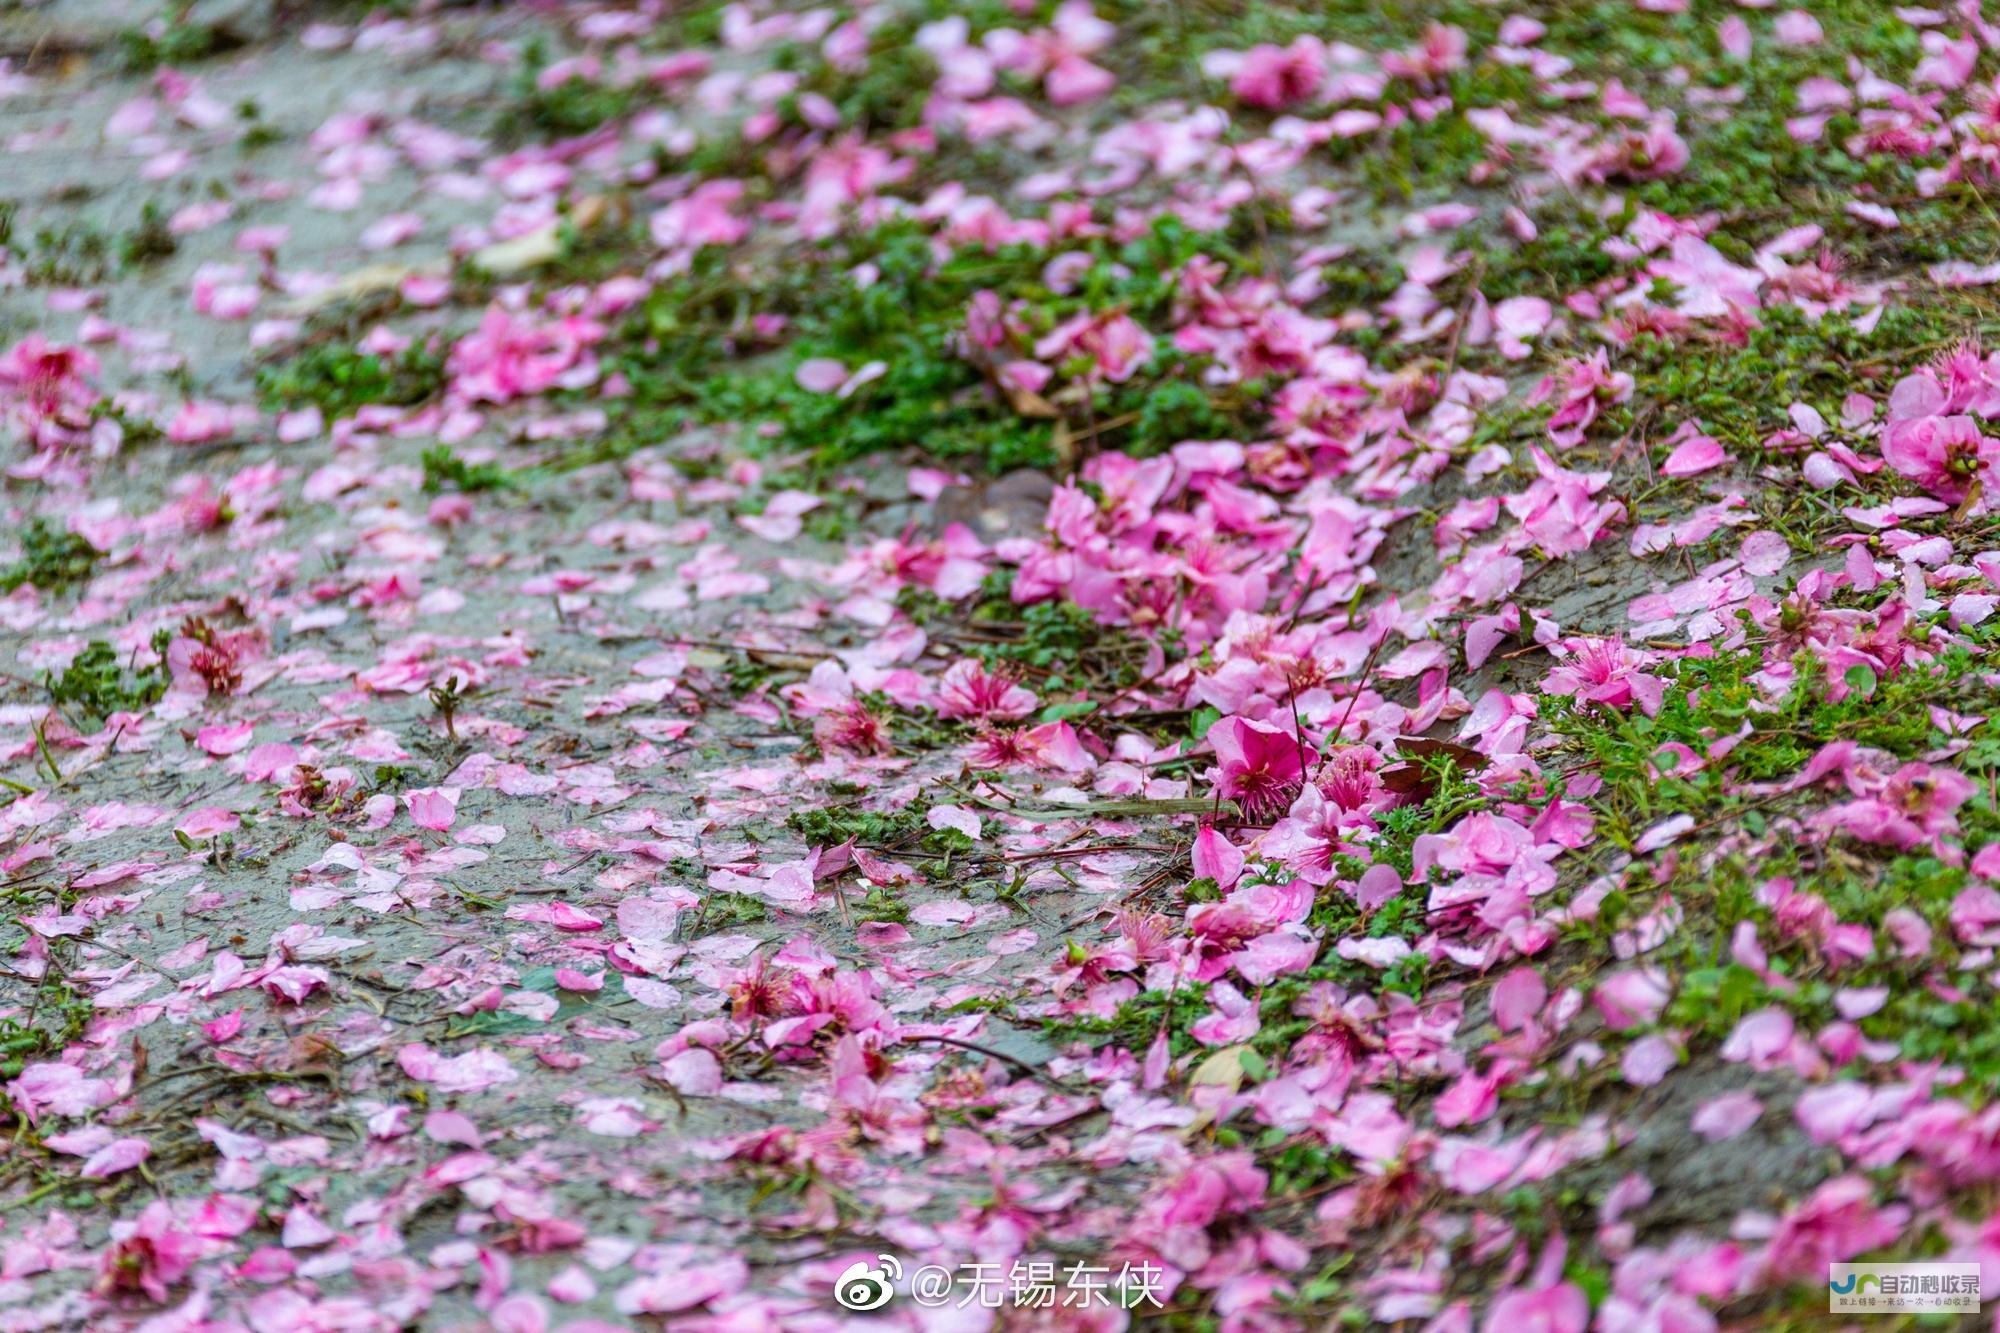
(46, 392)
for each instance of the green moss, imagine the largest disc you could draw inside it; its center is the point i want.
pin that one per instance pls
(573, 107)
(887, 93)
(1139, 1020)
(1058, 644)
(1565, 256)
(908, 313)
(339, 380)
(74, 254)
(1741, 394)
(51, 559)
(1724, 884)
(173, 41)
(149, 239)
(834, 825)
(445, 470)
(57, 1018)
(1420, 158)
(95, 684)
(722, 910)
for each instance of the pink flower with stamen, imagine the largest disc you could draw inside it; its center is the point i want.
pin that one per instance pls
(1943, 454)
(1259, 767)
(45, 391)
(149, 1255)
(1605, 671)
(969, 690)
